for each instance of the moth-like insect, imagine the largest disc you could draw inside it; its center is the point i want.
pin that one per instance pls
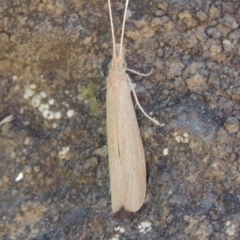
(127, 164)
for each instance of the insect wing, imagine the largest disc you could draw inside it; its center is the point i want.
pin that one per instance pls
(126, 154)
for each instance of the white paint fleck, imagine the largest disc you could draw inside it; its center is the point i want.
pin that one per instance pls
(43, 94)
(48, 114)
(119, 229)
(57, 115)
(51, 101)
(228, 223)
(184, 138)
(231, 230)
(165, 151)
(178, 138)
(28, 93)
(186, 135)
(54, 125)
(43, 107)
(145, 227)
(36, 101)
(116, 228)
(19, 177)
(70, 113)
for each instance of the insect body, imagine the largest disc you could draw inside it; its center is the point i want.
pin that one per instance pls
(125, 149)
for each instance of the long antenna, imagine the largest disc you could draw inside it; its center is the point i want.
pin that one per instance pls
(112, 29)
(123, 26)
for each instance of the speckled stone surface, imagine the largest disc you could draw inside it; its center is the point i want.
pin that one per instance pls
(54, 179)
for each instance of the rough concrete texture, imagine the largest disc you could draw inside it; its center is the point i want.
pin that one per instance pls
(54, 179)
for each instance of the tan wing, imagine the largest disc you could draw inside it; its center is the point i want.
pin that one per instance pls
(126, 154)
(117, 179)
(131, 151)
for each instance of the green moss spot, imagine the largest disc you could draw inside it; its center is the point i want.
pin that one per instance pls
(88, 94)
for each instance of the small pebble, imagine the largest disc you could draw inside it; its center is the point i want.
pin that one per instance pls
(43, 94)
(19, 177)
(51, 101)
(57, 115)
(70, 113)
(165, 151)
